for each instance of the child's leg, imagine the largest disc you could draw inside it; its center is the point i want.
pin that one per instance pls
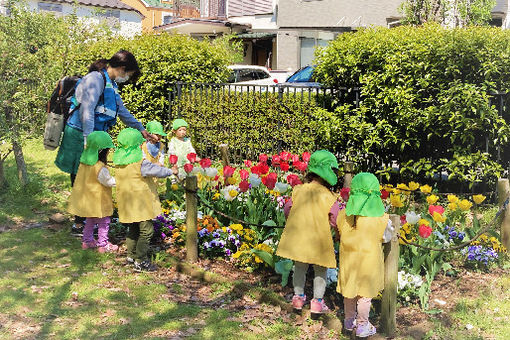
(363, 310)
(103, 225)
(299, 277)
(350, 312)
(319, 281)
(132, 239)
(88, 232)
(142, 246)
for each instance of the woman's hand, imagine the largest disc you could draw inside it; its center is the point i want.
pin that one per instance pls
(149, 137)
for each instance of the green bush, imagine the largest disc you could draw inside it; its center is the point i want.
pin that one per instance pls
(425, 99)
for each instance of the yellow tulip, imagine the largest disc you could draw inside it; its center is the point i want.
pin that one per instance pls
(174, 187)
(432, 199)
(413, 186)
(426, 189)
(396, 191)
(438, 217)
(465, 205)
(423, 221)
(232, 193)
(396, 201)
(453, 199)
(402, 186)
(478, 198)
(231, 180)
(452, 206)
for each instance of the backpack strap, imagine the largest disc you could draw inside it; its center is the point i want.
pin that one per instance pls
(101, 97)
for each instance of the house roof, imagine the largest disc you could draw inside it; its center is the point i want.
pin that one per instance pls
(196, 26)
(160, 4)
(115, 4)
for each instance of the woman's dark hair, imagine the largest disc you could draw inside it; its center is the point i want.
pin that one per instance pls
(122, 58)
(314, 177)
(103, 155)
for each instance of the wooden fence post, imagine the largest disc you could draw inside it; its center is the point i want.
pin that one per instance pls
(348, 170)
(503, 194)
(191, 219)
(224, 154)
(389, 295)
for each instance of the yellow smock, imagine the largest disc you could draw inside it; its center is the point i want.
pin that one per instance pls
(307, 234)
(89, 198)
(149, 156)
(361, 267)
(137, 196)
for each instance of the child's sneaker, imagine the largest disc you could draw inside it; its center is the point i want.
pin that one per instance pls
(349, 324)
(365, 330)
(130, 260)
(88, 245)
(298, 301)
(145, 266)
(317, 306)
(77, 229)
(108, 248)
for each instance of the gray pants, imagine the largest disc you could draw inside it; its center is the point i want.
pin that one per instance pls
(319, 281)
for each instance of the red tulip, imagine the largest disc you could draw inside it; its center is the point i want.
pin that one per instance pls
(285, 156)
(255, 170)
(306, 156)
(424, 231)
(188, 167)
(217, 177)
(284, 166)
(275, 160)
(205, 163)
(301, 166)
(384, 194)
(263, 168)
(172, 159)
(192, 157)
(293, 180)
(263, 158)
(436, 208)
(270, 180)
(344, 193)
(247, 163)
(228, 171)
(244, 174)
(244, 186)
(403, 219)
(295, 158)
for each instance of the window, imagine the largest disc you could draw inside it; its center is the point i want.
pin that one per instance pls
(45, 6)
(308, 46)
(246, 75)
(167, 19)
(110, 13)
(261, 74)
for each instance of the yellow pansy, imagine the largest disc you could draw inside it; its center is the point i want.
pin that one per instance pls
(388, 187)
(402, 186)
(396, 201)
(432, 199)
(465, 205)
(237, 254)
(237, 227)
(452, 206)
(426, 189)
(413, 186)
(452, 199)
(174, 187)
(406, 228)
(216, 196)
(423, 221)
(232, 193)
(478, 198)
(438, 217)
(396, 191)
(231, 180)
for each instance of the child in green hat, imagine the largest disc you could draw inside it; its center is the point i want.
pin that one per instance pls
(137, 196)
(91, 196)
(307, 238)
(180, 145)
(154, 151)
(363, 227)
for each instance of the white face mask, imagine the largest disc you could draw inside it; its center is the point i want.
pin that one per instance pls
(121, 80)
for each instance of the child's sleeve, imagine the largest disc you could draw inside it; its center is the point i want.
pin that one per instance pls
(333, 214)
(171, 148)
(287, 207)
(149, 169)
(162, 157)
(388, 232)
(105, 178)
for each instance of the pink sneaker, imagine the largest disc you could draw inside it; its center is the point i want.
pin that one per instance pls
(108, 248)
(365, 330)
(88, 245)
(317, 306)
(298, 301)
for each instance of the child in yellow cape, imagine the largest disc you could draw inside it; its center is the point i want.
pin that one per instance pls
(363, 227)
(91, 196)
(307, 237)
(137, 196)
(154, 151)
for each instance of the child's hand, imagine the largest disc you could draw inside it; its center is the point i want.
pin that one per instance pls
(174, 169)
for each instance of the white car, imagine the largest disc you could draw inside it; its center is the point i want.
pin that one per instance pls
(251, 75)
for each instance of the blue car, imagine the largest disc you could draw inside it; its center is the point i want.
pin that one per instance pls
(302, 77)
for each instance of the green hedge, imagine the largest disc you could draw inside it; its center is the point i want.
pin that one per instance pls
(425, 99)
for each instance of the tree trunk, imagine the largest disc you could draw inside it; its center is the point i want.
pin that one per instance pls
(3, 182)
(20, 162)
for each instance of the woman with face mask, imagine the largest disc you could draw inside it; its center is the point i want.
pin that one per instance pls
(96, 105)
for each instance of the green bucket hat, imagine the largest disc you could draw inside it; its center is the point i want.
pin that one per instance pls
(129, 150)
(322, 163)
(155, 128)
(178, 123)
(96, 141)
(365, 196)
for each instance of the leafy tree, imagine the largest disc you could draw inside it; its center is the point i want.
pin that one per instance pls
(454, 13)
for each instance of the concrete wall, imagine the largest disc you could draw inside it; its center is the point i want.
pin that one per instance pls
(287, 53)
(128, 25)
(336, 13)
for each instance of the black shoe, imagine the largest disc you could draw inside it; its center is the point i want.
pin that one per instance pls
(130, 261)
(145, 266)
(77, 229)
